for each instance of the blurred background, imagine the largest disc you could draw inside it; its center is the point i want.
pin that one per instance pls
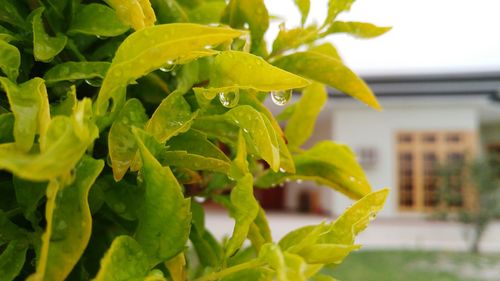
(436, 144)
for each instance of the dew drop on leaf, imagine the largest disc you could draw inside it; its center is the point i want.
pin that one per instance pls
(281, 97)
(229, 99)
(94, 82)
(169, 66)
(101, 37)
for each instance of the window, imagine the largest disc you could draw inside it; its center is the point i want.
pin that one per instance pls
(419, 155)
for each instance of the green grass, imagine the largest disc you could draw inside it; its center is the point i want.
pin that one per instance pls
(399, 265)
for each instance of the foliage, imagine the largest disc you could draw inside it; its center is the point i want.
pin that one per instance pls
(482, 175)
(116, 115)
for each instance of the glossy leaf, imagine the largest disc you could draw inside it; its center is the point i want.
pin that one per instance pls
(293, 38)
(253, 12)
(262, 137)
(195, 162)
(357, 29)
(97, 19)
(304, 6)
(165, 216)
(69, 223)
(66, 140)
(300, 126)
(338, 76)
(150, 49)
(121, 142)
(172, 117)
(239, 70)
(12, 259)
(30, 105)
(125, 260)
(45, 46)
(71, 71)
(10, 60)
(136, 13)
(196, 142)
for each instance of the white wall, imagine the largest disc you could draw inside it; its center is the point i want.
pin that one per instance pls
(359, 126)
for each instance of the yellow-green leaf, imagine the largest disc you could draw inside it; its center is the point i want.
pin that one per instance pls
(69, 223)
(336, 7)
(357, 29)
(124, 261)
(165, 216)
(327, 253)
(326, 49)
(121, 142)
(30, 105)
(71, 71)
(136, 13)
(330, 71)
(45, 47)
(304, 6)
(97, 19)
(152, 48)
(10, 60)
(293, 38)
(300, 126)
(176, 267)
(208, 12)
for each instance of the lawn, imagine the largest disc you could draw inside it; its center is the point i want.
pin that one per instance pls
(390, 265)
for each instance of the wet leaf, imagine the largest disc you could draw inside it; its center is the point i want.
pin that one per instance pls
(30, 105)
(300, 126)
(196, 142)
(195, 162)
(121, 142)
(239, 70)
(152, 48)
(45, 46)
(165, 216)
(338, 76)
(252, 12)
(69, 223)
(136, 13)
(12, 259)
(125, 260)
(294, 38)
(10, 60)
(357, 29)
(71, 71)
(97, 19)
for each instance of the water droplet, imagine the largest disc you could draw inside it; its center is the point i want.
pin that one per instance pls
(229, 99)
(94, 82)
(169, 66)
(199, 199)
(282, 170)
(281, 97)
(101, 37)
(208, 47)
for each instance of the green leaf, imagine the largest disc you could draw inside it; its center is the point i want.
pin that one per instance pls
(28, 195)
(253, 12)
(336, 7)
(97, 19)
(261, 134)
(152, 48)
(176, 267)
(45, 47)
(121, 142)
(304, 6)
(11, 14)
(356, 218)
(67, 105)
(121, 197)
(293, 38)
(124, 261)
(136, 13)
(327, 163)
(357, 29)
(260, 232)
(196, 142)
(12, 260)
(245, 210)
(234, 70)
(206, 246)
(301, 124)
(327, 253)
(172, 117)
(9, 231)
(69, 223)
(6, 127)
(30, 105)
(10, 60)
(165, 216)
(168, 11)
(272, 255)
(195, 162)
(71, 71)
(66, 140)
(326, 49)
(312, 65)
(208, 12)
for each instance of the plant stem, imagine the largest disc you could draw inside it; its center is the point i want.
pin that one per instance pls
(230, 270)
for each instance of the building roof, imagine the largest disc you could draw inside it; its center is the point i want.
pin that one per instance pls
(452, 84)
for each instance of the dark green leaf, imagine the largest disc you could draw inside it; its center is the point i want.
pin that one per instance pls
(71, 71)
(10, 60)
(12, 260)
(208, 12)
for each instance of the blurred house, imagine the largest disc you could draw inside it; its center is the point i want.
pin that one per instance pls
(427, 120)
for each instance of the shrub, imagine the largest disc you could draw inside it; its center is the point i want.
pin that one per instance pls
(111, 127)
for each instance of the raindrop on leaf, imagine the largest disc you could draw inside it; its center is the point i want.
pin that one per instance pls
(229, 99)
(169, 66)
(281, 97)
(94, 82)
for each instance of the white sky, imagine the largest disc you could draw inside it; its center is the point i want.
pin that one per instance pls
(427, 35)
